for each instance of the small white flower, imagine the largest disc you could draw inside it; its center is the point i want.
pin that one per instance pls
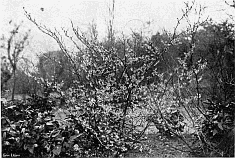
(76, 147)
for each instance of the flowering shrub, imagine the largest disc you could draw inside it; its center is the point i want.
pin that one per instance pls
(99, 121)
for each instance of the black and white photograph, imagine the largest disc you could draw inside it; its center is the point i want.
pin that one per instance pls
(117, 78)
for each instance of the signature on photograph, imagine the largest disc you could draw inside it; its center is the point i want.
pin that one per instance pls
(10, 155)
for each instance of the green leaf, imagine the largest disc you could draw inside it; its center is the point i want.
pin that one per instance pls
(5, 129)
(4, 135)
(214, 132)
(25, 147)
(57, 150)
(31, 149)
(6, 143)
(55, 133)
(72, 138)
(66, 144)
(5, 121)
(11, 107)
(49, 124)
(220, 125)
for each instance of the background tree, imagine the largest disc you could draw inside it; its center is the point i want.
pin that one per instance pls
(55, 66)
(5, 73)
(14, 46)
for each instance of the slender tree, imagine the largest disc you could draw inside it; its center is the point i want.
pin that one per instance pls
(14, 47)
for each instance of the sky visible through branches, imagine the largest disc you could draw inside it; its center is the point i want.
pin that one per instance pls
(147, 16)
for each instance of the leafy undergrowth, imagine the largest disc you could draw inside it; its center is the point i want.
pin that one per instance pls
(26, 138)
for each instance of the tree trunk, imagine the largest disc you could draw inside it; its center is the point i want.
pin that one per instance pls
(14, 82)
